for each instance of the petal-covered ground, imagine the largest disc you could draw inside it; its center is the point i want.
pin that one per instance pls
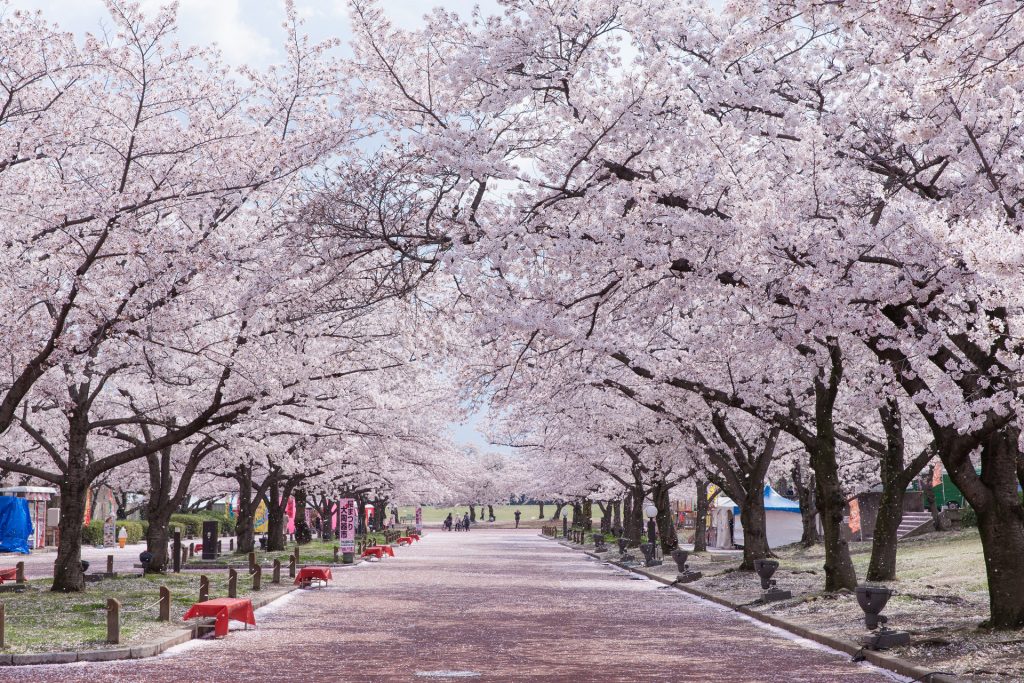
(487, 605)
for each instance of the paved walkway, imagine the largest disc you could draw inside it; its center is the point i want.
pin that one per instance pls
(490, 606)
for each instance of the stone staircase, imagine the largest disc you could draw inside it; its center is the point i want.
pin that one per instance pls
(914, 524)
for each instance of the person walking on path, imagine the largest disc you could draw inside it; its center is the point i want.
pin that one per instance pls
(465, 522)
(518, 513)
(448, 522)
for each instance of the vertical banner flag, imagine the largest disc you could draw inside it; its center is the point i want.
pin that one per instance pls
(347, 525)
(855, 516)
(419, 518)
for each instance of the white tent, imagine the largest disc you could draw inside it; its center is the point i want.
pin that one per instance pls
(782, 520)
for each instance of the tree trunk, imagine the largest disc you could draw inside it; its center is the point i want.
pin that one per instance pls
(700, 526)
(666, 524)
(839, 569)
(67, 569)
(616, 517)
(276, 500)
(541, 515)
(302, 532)
(1002, 538)
(472, 514)
(882, 566)
(490, 512)
(558, 511)
(587, 517)
(755, 533)
(627, 514)
(636, 517)
(808, 509)
(157, 539)
(928, 496)
(325, 509)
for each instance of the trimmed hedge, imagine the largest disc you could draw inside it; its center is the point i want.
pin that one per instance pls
(92, 533)
(192, 524)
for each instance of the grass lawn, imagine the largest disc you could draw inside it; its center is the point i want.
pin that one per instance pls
(502, 513)
(38, 620)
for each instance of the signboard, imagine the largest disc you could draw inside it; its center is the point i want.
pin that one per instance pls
(209, 540)
(419, 518)
(260, 519)
(108, 533)
(347, 512)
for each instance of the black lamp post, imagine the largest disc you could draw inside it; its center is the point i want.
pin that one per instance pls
(769, 593)
(685, 575)
(872, 600)
(650, 549)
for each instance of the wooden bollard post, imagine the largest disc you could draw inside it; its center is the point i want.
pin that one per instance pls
(191, 550)
(335, 554)
(165, 603)
(113, 621)
(220, 547)
(20, 567)
(110, 565)
(291, 567)
(184, 555)
(231, 544)
(204, 588)
(296, 553)
(252, 562)
(257, 578)
(176, 553)
(2, 626)
(232, 583)
(276, 577)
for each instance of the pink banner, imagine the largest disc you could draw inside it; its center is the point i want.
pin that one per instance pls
(347, 525)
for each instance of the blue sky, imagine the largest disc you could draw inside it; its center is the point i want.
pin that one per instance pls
(247, 31)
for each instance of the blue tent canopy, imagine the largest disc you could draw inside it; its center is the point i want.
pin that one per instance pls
(15, 525)
(773, 501)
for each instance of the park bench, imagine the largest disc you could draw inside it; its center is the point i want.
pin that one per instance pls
(8, 574)
(313, 575)
(223, 610)
(403, 540)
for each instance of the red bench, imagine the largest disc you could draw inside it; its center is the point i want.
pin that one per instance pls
(307, 575)
(8, 574)
(223, 609)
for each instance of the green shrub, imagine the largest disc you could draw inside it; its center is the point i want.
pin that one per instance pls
(968, 517)
(92, 533)
(193, 523)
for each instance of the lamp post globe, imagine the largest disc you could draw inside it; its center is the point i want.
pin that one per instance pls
(651, 510)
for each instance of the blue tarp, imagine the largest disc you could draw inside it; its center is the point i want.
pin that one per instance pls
(15, 525)
(773, 501)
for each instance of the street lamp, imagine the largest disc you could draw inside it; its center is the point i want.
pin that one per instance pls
(872, 600)
(649, 549)
(769, 592)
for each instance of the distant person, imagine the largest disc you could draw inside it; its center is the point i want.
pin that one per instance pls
(448, 522)
(518, 515)
(465, 522)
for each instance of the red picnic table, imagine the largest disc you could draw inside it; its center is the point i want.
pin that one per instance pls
(374, 551)
(8, 574)
(414, 537)
(223, 609)
(307, 575)
(199, 547)
(404, 540)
